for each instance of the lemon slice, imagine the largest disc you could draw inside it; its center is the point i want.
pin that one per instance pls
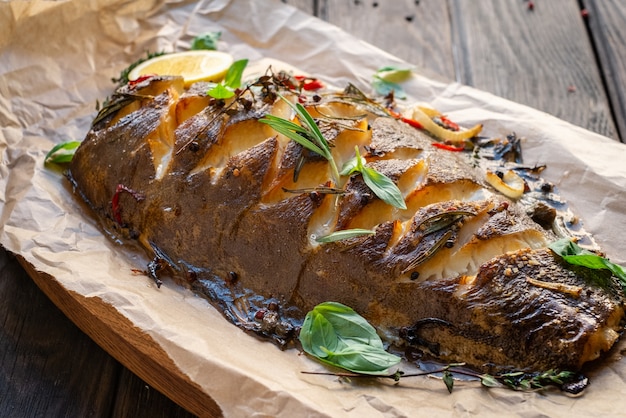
(193, 66)
(510, 184)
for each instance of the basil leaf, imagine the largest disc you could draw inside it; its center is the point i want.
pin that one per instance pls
(345, 234)
(574, 254)
(234, 74)
(350, 166)
(335, 334)
(206, 41)
(62, 153)
(383, 187)
(362, 359)
(220, 92)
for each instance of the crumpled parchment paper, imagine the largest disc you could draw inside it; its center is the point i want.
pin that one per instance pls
(57, 60)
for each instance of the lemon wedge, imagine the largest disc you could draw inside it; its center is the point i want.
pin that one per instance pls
(193, 66)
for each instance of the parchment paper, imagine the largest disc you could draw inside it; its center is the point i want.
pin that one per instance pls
(57, 59)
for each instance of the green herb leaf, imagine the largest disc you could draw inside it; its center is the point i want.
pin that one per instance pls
(574, 254)
(394, 74)
(232, 81)
(381, 185)
(345, 234)
(448, 380)
(352, 165)
(292, 131)
(234, 74)
(489, 381)
(337, 335)
(220, 91)
(62, 153)
(308, 134)
(206, 41)
(384, 88)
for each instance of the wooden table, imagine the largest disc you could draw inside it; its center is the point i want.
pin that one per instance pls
(547, 54)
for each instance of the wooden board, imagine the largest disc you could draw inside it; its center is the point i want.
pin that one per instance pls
(126, 343)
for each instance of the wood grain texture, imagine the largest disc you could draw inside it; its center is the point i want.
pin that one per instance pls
(417, 32)
(50, 368)
(542, 58)
(606, 20)
(127, 344)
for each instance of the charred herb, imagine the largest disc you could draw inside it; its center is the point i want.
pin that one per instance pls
(566, 381)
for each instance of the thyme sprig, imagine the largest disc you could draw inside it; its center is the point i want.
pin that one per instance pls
(565, 380)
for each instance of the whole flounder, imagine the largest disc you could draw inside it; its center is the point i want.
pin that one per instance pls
(234, 210)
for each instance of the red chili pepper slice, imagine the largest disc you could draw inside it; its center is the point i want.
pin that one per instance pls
(115, 201)
(408, 121)
(448, 124)
(133, 83)
(412, 122)
(313, 85)
(309, 83)
(448, 147)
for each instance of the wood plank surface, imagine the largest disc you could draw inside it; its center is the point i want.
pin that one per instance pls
(50, 368)
(540, 57)
(418, 32)
(499, 46)
(606, 21)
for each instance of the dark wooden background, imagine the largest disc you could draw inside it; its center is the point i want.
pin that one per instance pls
(564, 57)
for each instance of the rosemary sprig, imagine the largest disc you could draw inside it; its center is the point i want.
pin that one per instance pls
(307, 134)
(345, 234)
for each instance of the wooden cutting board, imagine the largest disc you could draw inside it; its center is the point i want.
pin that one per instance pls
(126, 343)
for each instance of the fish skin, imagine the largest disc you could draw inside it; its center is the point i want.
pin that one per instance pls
(237, 221)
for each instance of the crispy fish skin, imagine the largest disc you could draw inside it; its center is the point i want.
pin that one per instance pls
(462, 273)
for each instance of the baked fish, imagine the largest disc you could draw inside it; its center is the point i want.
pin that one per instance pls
(235, 210)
